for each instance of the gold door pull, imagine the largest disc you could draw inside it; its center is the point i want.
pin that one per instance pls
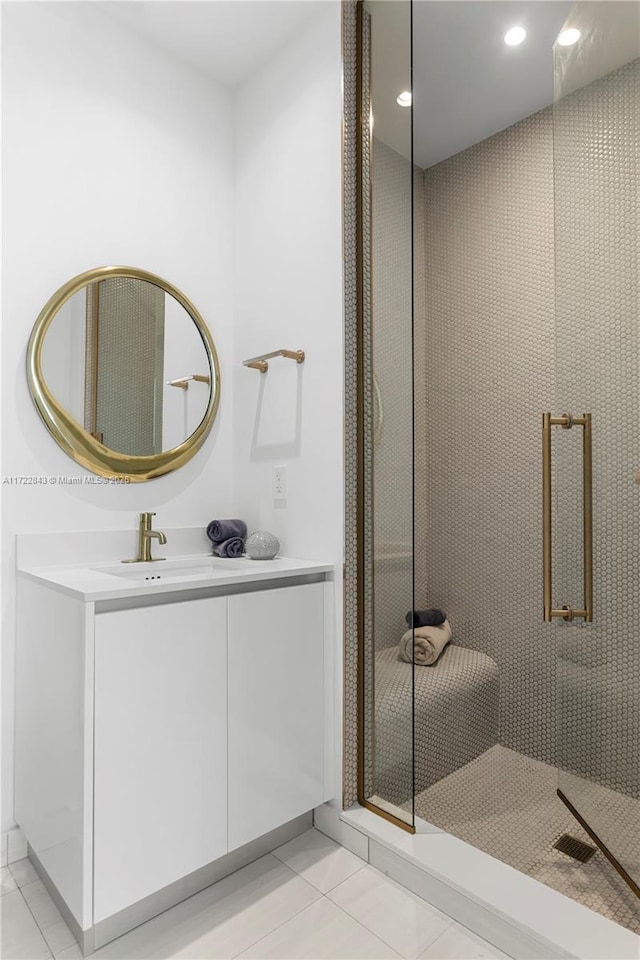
(567, 421)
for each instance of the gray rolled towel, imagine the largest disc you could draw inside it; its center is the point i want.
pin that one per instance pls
(233, 548)
(220, 530)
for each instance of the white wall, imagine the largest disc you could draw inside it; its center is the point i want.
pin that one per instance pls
(288, 293)
(113, 153)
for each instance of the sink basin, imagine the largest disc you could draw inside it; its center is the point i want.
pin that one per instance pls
(165, 571)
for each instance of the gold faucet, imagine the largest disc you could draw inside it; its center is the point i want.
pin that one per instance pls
(145, 534)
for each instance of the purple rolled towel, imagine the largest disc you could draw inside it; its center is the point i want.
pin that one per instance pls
(425, 618)
(233, 547)
(220, 530)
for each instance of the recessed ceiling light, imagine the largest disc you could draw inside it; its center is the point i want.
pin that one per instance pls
(514, 36)
(404, 99)
(568, 37)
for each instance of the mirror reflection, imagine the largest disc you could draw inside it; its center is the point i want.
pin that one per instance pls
(127, 362)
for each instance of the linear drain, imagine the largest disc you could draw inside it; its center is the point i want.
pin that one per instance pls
(575, 848)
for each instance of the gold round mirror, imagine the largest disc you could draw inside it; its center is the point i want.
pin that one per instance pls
(124, 373)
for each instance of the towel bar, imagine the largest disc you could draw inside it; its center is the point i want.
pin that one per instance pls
(183, 382)
(260, 362)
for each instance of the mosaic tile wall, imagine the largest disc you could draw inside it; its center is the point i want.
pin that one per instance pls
(488, 369)
(391, 719)
(597, 145)
(128, 378)
(490, 324)
(392, 365)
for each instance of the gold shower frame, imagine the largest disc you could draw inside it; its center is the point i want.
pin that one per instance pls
(357, 147)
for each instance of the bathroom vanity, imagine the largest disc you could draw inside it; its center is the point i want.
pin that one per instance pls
(172, 718)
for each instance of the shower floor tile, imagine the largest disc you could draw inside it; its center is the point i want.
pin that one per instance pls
(505, 804)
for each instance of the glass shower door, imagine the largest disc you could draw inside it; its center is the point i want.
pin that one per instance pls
(387, 753)
(592, 444)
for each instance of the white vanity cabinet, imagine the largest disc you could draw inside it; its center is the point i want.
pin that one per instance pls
(276, 684)
(163, 740)
(160, 748)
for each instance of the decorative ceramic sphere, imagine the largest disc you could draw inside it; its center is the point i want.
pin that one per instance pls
(262, 545)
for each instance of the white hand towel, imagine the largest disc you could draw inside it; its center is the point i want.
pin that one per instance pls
(429, 644)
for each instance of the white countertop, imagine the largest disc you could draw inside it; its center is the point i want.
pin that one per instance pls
(93, 581)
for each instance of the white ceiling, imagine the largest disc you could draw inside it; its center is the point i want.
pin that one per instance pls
(467, 83)
(226, 39)
(610, 37)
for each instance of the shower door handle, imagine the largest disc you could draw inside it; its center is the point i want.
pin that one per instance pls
(567, 422)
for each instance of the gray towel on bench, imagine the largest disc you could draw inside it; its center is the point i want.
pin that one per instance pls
(425, 618)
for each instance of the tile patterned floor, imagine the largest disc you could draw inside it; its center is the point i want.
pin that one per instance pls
(505, 803)
(308, 899)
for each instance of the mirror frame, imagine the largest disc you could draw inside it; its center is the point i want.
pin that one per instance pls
(70, 435)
